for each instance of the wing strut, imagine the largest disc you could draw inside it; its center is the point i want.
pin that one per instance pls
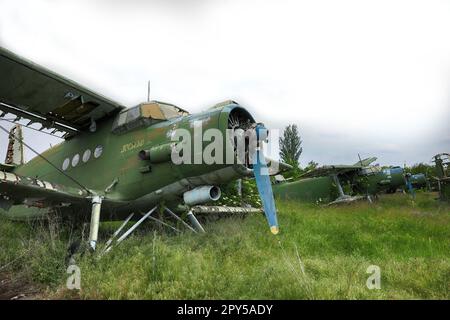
(179, 219)
(338, 185)
(195, 222)
(129, 231)
(343, 198)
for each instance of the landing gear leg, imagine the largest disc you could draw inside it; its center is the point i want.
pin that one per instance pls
(95, 221)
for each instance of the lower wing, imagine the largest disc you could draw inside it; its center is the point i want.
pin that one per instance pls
(32, 192)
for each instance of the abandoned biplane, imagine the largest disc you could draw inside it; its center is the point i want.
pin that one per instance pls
(115, 161)
(326, 183)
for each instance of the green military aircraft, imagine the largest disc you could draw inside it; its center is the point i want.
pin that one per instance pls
(398, 178)
(325, 184)
(116, 163)
(442, 162)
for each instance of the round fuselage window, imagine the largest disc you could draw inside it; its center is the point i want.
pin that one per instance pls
(98, 151)
(66, 164)
(75, 160)
(86, 155)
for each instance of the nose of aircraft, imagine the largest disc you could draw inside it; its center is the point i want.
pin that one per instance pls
(242, 124)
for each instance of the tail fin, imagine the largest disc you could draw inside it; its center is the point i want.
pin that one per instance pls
(14, 154)
(365, 162)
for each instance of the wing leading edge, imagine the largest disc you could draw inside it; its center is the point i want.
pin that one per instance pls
(329, 170)
(338, 169)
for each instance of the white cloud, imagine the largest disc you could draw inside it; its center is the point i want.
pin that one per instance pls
(357, 76)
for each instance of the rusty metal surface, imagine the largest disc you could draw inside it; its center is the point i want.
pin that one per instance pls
(14, 153)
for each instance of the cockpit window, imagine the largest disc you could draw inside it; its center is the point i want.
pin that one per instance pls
(133, 114)
(146, 114)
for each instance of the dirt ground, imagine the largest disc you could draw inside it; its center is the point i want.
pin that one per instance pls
(13, 287)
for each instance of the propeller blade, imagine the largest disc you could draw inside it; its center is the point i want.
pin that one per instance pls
(261, 172)
(409, 186)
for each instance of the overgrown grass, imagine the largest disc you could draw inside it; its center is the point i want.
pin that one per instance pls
(321, 253)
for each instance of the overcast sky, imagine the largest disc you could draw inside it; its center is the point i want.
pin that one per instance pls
(368, 77)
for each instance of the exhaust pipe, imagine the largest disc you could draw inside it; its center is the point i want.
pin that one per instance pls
(201, 195)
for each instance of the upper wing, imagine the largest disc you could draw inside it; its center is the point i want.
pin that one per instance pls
(17, 190)
(32, 92)
(328, 170)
